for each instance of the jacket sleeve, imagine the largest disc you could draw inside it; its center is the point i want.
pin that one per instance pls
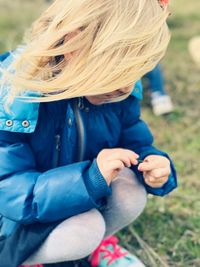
(27, 195)
(136, 136)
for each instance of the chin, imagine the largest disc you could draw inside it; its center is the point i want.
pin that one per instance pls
(95, 101)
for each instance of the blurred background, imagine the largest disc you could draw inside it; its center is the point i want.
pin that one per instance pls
(168, 232)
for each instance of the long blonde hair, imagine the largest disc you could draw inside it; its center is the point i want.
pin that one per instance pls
(116, 43)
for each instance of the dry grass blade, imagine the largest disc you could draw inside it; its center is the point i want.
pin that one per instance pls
(147, 249)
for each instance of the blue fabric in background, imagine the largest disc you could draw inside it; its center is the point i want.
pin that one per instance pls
(4, 56)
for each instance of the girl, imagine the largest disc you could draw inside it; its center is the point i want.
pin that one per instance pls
(76, 160)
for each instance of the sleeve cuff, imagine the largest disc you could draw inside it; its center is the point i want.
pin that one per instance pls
(96, 183)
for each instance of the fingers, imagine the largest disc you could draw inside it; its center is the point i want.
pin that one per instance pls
(148, 166)
(153, 179)
(128, 157)
(156, 170)
(154, 185)
(156, 181)
(153, 162)
(111, 161)
(159, 173)
(116, 165)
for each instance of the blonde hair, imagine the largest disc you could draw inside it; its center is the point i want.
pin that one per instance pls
(116, 43)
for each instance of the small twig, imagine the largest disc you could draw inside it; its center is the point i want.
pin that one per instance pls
(147, 247)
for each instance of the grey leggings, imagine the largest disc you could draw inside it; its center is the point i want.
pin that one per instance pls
(79, 236)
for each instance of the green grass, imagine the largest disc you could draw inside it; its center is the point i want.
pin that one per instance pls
(15, 17)
(168, 232)
(171, 226)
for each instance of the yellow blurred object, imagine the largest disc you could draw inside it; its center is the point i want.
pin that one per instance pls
(194, 49)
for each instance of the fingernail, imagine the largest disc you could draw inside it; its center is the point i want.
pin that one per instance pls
(139, 168)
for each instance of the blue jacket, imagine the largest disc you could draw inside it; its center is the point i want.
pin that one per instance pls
(48, 170)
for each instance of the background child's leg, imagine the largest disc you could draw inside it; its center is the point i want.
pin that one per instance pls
(73, 239)
(156, 81)
(160, 100)
(126, 203)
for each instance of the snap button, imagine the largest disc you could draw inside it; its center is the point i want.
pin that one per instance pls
(136, 90)
(87, 109)
(70, 122)
(25, 124)
(9, 123)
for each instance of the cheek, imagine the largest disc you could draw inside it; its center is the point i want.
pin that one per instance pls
(68, 56)
(128, 89)
(69, 36)
(71, 55)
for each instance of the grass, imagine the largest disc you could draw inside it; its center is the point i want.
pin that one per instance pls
(168, 232)
(171, 226)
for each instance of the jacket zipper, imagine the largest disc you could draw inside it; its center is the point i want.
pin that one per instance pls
(78, 105)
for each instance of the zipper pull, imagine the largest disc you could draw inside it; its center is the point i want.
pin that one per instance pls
(80, 103)
(57, 151)
(57, 137)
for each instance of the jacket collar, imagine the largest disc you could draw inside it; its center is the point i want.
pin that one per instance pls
(22, 116)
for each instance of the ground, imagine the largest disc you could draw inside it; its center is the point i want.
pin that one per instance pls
(168, 232)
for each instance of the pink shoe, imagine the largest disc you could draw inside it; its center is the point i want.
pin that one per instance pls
(110, 254)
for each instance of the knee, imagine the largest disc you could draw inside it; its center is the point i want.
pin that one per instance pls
(131, 194)
(133, 203)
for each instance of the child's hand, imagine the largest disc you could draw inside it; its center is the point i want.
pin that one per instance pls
(111, 161)
(156, 170)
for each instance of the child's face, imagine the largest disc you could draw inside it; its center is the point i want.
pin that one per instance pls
(104, 98)
(109, 97)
